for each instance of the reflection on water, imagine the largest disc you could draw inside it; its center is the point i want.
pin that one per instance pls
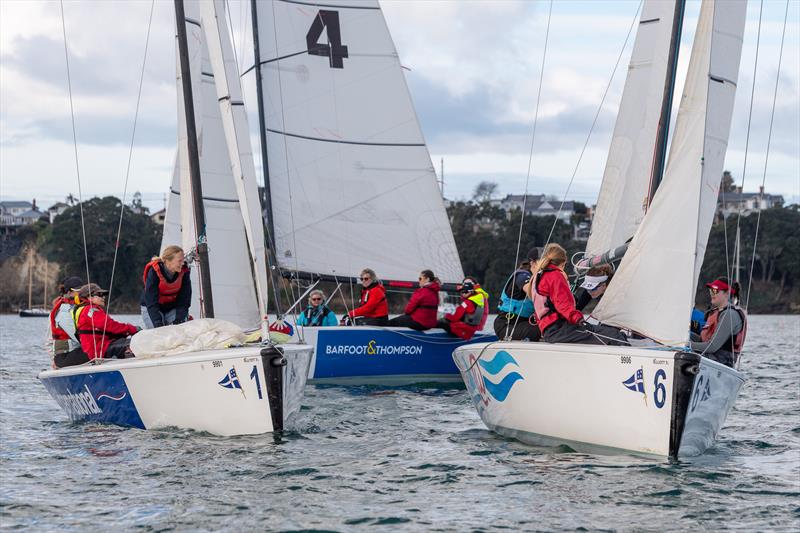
(413, 458)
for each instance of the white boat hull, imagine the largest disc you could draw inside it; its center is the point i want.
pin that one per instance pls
(236, 391)
(599, 398)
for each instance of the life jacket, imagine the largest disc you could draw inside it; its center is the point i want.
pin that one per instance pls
(102, 337)
(167, 290)
(545, 309)
(58, 333)
(735, 342)
(375, 296)
(513, 300)
(481, 313)
(318, 318)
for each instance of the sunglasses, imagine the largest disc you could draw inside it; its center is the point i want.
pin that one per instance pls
(317, 299)
(365, 279)
(712, 290)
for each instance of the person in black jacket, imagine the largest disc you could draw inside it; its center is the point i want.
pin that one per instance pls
(167, 292)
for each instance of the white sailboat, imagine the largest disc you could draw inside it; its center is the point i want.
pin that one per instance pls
(661, 400)
(349, 180)
(241, 390)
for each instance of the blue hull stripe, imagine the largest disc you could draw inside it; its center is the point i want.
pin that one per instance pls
(95, 397)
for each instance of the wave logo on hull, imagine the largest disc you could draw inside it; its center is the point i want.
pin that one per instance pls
(110, 397)
(494, 368)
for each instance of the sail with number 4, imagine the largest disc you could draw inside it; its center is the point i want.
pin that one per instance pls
(350, 178)
(643, 112)
(653, 291)
(228, 222)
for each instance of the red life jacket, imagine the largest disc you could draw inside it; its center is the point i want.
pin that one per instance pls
(58, 333)
(167, 290)
(736, 342)
(373, 302)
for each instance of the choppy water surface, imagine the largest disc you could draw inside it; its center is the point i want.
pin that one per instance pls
(408, 459)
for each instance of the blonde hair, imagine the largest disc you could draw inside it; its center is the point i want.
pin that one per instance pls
(553, 254)
(170, 252)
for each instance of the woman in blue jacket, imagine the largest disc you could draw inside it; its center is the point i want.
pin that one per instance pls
(317, 313)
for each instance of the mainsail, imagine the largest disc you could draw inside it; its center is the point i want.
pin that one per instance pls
(229, 255)
(653, 291)
(352, 183)
(623, 196)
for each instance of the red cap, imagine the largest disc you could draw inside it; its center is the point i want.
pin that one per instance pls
(719, 285)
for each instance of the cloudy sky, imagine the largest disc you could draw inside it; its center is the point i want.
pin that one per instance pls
(473, 70)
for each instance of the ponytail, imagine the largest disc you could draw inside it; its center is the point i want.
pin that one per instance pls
(553, 254)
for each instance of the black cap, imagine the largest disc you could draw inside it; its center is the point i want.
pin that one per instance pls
(534, 253)
(72, 283)
(92, 289)
(467, 286)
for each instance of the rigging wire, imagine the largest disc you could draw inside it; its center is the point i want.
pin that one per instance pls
(766, 158)
(530, 161)
(594, 122)
(130, 158)
(77, 164)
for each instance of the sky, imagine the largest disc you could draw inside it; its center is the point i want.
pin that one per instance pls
(473, 69)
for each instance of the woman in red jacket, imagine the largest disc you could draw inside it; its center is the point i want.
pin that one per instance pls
(101, 337)
(373, 309)
(554, 305)
(420, 313)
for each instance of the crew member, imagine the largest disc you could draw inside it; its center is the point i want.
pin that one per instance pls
(724, 332)
(515, 317)
(317, 313)
(480, 297)
(373, 309)
(594, 285)
(554, 305)
(62, 327)
(420, 312)
(467, 317)
(101, 336)
(167, 292)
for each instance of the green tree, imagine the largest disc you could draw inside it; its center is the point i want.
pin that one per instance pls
(139, 240)
(728, 185)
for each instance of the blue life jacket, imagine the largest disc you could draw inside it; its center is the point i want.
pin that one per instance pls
(513, 300)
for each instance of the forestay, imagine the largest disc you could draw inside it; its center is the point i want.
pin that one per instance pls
(351, 179)
(653, 291)
(622, 201)
(229, 258)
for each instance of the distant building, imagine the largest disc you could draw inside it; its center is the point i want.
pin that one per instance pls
(159, 216)
(732, 203)
(538, 205)
(19, 213)
(56, 209)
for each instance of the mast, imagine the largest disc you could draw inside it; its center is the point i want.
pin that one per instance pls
(662, 135)
(262, 135)
(206, 300)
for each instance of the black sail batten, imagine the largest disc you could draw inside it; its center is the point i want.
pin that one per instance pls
(686, 366)
(392, 284)
(340, 141)
(206, 300)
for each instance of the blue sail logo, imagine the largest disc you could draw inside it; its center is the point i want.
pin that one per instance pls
(499, 391)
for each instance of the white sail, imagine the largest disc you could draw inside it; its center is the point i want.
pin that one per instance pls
(623, 195)
(351, 179)
(653, 291)
(229, 257)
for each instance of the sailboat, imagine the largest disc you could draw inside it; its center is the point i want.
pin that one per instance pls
(349, 182)
(250, 389)
(32, 311)
(658, 398)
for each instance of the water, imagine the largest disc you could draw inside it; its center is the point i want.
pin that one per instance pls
(405, 459)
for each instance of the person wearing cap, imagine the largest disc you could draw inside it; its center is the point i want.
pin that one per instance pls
(554, 305)
(722, 337)
(101, 336)
(593, 286)
(479, 296)
(515, 317)
(317, 313)
(420, 312)
(466, 319)
(167, 292)
(62, 328)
